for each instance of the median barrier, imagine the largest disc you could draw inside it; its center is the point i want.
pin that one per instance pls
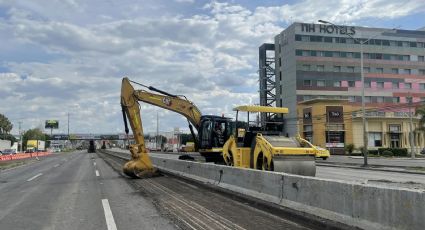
(19, 156)
(354, 204)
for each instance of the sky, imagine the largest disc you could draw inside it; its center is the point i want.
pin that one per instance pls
(60, 57)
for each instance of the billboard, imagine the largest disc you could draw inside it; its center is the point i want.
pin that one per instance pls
(52, 124)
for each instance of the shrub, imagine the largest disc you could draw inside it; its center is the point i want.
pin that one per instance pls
(399, 152)
(387, 153)
(349, 148)
(373, 152)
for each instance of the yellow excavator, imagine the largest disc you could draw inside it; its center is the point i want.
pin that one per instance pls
(207, 143)
(265, 148)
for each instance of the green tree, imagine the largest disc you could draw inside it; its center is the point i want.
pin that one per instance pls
(33, 134)
(184, 138)
(421, 112)
(5, 126)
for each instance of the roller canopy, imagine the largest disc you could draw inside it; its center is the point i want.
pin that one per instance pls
(262, 109)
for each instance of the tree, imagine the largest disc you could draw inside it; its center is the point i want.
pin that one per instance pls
(5, 125)
(421, 112)
(184, 138)
(33, 134)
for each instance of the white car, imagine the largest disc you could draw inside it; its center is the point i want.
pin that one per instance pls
(56, 150)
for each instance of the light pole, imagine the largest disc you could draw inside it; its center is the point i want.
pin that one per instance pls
(361, 42)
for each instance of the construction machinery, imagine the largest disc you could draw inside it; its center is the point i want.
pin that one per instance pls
(208, 142)
(265, 148)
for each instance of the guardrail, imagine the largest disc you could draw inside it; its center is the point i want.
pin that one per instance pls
(351, 203)
(19, 156)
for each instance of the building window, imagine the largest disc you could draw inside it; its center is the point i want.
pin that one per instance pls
(321, 83)
(297, 52)
(395, 85)
(280, 88)
(395, 128)
(396, 99)
(280, 75)
(305, 53)
(367, 84)
(350, 69)
(367, 99)
(351, 84)
(320, 68)
(380, 85)
(307, 97)
(421, 58)
(380, 99)
(352, 98)
(406, 71)
(350, 54)
(297, 37)
(374, 139)
(306, 67)
(394, 71)
(379, 70)
(305, 38)
(328, 53)
(337, 83)
(337, 68)
(407, 85)
(366, 69)
(422, 86)
(422, 72)
(405, 57)
(409, 99)
(307, 83)
(328, 39)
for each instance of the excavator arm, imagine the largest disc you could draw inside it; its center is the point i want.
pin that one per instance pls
(140, 165)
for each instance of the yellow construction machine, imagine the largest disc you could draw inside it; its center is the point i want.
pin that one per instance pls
(207, 142)
(265, 148)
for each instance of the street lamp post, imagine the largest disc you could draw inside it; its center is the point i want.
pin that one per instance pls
(361, 42)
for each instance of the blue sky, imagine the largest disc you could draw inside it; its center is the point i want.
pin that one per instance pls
(69, 56)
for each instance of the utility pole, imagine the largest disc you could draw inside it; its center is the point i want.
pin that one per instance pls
(68, 130)
(157, 131)
(411, 137)
(20, 137)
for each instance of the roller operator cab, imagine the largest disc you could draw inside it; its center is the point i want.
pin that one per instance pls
(264, 147)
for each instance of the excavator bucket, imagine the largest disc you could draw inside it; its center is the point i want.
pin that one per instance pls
(140, 166)
(293, 164)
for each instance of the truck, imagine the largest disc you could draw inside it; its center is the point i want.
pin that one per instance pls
(4, 144)
(36, 146)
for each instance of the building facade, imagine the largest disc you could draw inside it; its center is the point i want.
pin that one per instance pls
(322, 61)
(334, 123)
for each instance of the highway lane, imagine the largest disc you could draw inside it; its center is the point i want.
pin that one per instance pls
(73, 191)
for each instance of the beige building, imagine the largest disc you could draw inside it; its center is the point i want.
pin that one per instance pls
(334, 123)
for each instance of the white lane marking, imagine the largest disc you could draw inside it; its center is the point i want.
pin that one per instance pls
(56, 165)
(94, 163)
(97, 173)
(32, 178)
(110, 222)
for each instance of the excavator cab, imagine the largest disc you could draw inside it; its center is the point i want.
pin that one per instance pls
(212, 134)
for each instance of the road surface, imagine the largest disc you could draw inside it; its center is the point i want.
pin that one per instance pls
(73, 191)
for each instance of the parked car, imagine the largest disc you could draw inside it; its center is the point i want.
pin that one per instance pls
(56, 150)
(9, 152)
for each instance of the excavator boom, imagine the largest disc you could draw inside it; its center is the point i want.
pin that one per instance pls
(140, 165)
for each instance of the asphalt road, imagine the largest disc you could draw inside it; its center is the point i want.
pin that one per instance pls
(73, 191)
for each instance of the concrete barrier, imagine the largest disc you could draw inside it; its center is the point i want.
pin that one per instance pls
(19, 156)
(353, 204)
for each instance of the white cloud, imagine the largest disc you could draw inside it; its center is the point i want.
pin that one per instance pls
(207, 53)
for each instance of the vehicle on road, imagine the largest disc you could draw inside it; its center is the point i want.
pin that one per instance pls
(92, 147)
(56, 150)
(9, 152)
(36, 145)
(264, 147)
